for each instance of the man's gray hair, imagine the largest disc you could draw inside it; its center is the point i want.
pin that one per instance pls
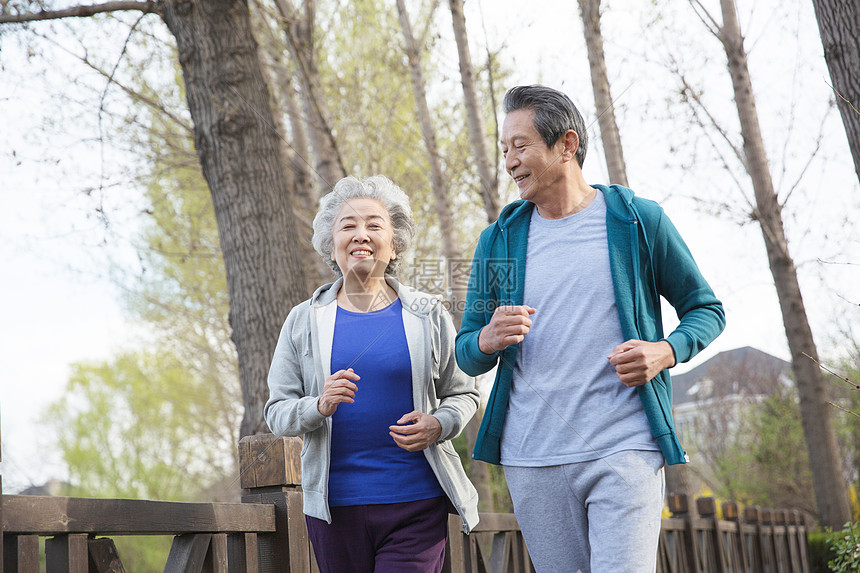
(555, 113)
(378, 187)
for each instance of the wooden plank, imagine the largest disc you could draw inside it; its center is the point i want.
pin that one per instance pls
(104, 557)
(671, 549)
(242, 553)
(216, 557)
(456, 547)
(731, 513)
(495, 522)
(299, 550)
(273, 546)
(480, 552)
(521, 554)
(500, 552)
(188, 553)
(21, 553)
(802, 540)
(67, 554)
(707, 509)
(49, 516)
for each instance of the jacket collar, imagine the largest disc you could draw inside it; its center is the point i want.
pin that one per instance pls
(618, 198)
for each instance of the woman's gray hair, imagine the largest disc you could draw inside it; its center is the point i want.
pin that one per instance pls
(378, 187)
(555, 113)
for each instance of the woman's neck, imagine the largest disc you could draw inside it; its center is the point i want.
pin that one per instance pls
(357, 294)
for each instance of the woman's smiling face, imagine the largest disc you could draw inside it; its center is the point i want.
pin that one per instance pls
(363, 238)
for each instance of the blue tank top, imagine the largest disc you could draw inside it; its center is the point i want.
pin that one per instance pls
(367, 467)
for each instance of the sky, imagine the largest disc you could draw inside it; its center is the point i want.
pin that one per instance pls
(60, 305)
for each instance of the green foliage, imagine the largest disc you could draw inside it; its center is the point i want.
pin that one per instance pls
(846, 546)
(820, 552)
(760, 457)
(140, 427)
(780, 475)
(845, 396)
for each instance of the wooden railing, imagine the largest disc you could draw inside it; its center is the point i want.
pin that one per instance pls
(762, 540)
(267, 532)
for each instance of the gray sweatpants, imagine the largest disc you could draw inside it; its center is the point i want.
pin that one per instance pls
(600, 516)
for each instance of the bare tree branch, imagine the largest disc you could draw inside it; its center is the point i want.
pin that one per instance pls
(154, 104)
(492, 90)
(693, 96)
(301, 44)
(428, 25)
(110, 80)
(80, 11)
(709, 21)
(809, 160)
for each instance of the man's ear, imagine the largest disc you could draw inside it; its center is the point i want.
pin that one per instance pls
(571, 143)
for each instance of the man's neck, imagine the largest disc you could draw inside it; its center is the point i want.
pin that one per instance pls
(571, 199)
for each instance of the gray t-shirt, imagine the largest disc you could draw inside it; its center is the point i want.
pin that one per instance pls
(567, 404)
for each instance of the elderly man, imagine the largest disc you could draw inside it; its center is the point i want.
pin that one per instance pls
(564, 296)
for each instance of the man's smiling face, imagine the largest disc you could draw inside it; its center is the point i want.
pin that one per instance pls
(534, 167)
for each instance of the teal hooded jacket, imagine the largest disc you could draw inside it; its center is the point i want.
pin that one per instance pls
(648, 259)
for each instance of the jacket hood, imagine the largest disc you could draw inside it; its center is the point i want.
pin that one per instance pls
(619, 200)
(413, 300)
(514, 210)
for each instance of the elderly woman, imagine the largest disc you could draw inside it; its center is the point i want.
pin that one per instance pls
(365, 369)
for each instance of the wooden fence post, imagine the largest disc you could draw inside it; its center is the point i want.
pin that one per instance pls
(782, 540)
(752, 515)
(707, 509)
(270, 471)
(731, 513)
(679, 505)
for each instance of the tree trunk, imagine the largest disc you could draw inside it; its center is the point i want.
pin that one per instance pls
(609, 135)
(488, 175)
(305, 197)
(300, 37)
(239, 154)
(440, 190)
(839, 25)
(479, 472)
(830, 489)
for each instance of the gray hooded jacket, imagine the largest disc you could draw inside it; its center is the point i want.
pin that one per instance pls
(302, 362)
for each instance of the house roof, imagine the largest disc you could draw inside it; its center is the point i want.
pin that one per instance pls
(744, 370)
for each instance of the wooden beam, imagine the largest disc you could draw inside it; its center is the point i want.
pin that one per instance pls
(104, 556)
(188, 553)
(46, 516)
(495, 522)
(266, 460)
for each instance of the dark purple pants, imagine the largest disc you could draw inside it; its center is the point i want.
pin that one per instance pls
(386, 538)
